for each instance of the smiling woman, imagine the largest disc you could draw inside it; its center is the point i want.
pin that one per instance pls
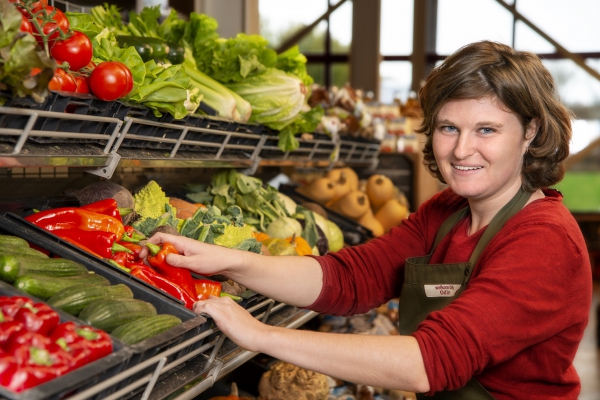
(498, 136)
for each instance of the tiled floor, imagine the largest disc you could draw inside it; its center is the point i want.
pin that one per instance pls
(587, 360)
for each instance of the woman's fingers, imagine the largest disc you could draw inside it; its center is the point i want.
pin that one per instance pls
(234, 321)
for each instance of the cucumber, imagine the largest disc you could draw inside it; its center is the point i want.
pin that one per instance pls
(24, 251)
(154, 48)
(10, 241)
(75, 298)
(108, 314)
(13, 266)
(145, 328)
(44, 287)
(144, 49)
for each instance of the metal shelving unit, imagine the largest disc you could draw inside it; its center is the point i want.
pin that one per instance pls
(203, 367)
(34, 138)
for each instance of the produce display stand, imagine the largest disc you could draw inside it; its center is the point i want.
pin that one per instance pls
(99, 137)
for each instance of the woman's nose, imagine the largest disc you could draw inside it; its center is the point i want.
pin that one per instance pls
(464, 146)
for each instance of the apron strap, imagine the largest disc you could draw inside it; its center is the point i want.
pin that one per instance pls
(511, 208)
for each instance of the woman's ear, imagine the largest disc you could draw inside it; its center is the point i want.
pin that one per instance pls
(532, 130)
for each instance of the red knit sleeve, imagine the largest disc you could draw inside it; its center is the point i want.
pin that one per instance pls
(522, 315)
(360, 278)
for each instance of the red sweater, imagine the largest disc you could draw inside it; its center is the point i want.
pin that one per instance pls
(516, 327)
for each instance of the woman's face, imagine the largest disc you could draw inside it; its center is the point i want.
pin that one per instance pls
(479, 148)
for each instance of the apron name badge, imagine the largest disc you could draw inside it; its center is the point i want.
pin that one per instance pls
(441, 290)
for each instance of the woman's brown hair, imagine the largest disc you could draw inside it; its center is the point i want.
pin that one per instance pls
(522, 84)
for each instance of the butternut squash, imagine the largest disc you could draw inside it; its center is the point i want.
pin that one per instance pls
(380, 189)
(334, 174)
(371, 223)
(391, 214)
(352, 177)
(353, 205)
(185, 209)
(342, 187)
(320, 190)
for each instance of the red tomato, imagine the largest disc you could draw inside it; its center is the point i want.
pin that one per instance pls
(41, 3)
(25, 25)
(59, 21)
(76, 50)
(110, 80)
(129, 79)
(62, 81)
(82, 84)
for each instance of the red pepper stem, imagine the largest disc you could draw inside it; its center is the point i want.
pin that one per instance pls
(62, 342)
(40, 356)
(233, 297)
(117, 247)
(128, 239)
(2, 317)
(125, 211)
(87, 334)
(154, 249)
(116, 264)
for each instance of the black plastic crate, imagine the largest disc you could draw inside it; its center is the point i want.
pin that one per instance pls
(62, 104)
(192, 324)
(77, 380)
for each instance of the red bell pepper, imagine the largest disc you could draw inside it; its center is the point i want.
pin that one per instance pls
(99, 243)
(37, 318)
(14, 377)
(150, 276)
(39, 356)
(179, 276)
(206, 288)
(107, 207)
(84, 343)
(10, 305)
(76, 218)
(8, 328)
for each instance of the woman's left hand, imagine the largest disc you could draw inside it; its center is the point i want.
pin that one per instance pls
(234, 321)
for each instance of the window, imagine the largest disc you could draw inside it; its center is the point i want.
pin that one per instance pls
(326, 47)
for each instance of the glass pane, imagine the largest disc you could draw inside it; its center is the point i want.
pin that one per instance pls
(396, 77)
(317, 72)
(573, 24)
(396, 27)
(314, 42)
(461, 22)
(584, 133)
(340, 28)
(281, 19)
(577, 89)
(340, 74)
(527, 39)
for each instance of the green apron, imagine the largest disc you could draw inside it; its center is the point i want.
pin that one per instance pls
(430, 287)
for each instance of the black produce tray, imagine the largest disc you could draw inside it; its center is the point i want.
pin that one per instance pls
(354, 233)
(192, 325)
(75, 381)
(61, 103)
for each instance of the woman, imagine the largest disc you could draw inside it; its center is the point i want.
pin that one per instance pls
(493, 274)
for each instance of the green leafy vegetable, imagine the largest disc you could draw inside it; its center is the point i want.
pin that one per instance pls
(83, 23)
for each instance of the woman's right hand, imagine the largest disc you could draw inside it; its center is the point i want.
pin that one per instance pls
(202, 258)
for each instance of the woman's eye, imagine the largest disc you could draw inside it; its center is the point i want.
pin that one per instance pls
(448, 128)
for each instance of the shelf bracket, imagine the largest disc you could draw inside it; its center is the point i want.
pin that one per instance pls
(108, 170)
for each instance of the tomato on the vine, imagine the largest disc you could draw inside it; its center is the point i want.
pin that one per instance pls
(81, 84)
(58, 21)
(76, 50)
(62, 81)
(110, 80)
(25, 25)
